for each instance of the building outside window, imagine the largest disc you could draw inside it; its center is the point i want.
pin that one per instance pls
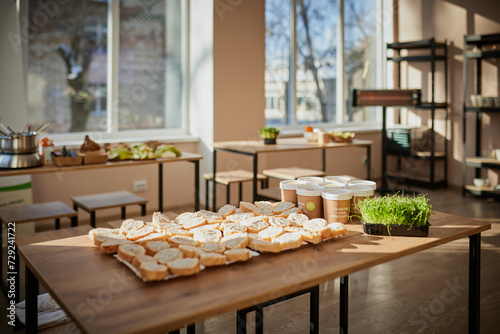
(85, 76)
(305, 40)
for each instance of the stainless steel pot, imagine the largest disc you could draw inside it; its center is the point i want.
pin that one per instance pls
(19, 143)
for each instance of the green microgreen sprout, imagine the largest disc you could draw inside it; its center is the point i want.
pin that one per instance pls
(396, 209)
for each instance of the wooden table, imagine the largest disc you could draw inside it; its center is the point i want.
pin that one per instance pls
(256, 147)
(106, 297)
(186, 156)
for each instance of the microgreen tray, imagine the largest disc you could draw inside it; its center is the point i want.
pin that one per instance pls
(396, 230)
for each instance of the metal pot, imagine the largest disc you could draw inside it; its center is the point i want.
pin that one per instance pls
(19, 143)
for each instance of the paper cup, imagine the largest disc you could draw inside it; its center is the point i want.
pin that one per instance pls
(288, 190)
(311, 179)
(338, 178)
(359, 193)
(338, 185)
(365, 183)
(337, 204)
(310, 201)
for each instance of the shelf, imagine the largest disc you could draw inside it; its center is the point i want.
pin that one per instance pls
(428, 105)
(423, 44)
(483, 191)
(415, 180)
(482, 162)
(478, 41)
(483, 54)
(424, 155)
(417, 58)
(482, 109)
(482, 39)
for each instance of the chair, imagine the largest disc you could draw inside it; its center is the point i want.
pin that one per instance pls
(122, 199)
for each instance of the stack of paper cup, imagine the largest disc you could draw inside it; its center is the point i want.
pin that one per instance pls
(337, 204)
(359, 193)
(288, 190)
(310, 201)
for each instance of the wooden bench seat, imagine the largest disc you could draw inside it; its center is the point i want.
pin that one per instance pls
(291, 173)
(226, 178)
(122, 199)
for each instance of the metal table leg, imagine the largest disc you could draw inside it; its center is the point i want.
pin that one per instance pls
(368, 161)
(344, 305)
(214, 170)
(197, 185)
(474, 282)
(160, 187)
(255, 172)
(31, 302)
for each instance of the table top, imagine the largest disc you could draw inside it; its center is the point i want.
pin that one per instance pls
(107, 297)
(50, 168)
(283, 144)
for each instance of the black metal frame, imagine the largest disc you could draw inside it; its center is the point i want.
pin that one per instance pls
(241, 315)
(432, 57)
(196, 185)
(478, 41)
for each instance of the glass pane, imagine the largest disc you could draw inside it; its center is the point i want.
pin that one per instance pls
(150, 78)
(277, 62)
(316, 49)
(67, 65)
(360, 54)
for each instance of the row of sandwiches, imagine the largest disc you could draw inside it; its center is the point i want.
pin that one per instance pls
(165, 248)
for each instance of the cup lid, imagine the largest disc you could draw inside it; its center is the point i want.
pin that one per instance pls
(337, 178)
(337, 194)
(367, 183)
(311, 179)
(359, 190)
(309, 189)
(291, 184)
(333, 184)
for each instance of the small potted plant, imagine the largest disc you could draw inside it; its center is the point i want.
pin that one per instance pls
(269, 134)
(396, 215)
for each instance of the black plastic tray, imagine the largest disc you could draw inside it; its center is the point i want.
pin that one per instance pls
(396, 230)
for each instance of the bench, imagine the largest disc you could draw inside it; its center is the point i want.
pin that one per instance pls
(226, 178)
(122, 199)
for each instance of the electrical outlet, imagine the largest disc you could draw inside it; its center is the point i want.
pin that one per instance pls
(141, 185)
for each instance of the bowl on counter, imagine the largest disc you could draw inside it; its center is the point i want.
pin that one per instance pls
(481, 182)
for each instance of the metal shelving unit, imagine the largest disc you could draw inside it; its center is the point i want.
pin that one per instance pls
(478, 162)
(437, 52)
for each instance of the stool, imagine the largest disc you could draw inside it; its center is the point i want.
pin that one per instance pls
(91, 203)
(232, 176)
(17, 214)
(291, 173)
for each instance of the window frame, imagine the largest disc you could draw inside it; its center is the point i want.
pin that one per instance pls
(112, 133)
(381, 68)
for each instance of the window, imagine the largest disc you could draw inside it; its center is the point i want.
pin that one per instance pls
(304, 45)
(85, 76)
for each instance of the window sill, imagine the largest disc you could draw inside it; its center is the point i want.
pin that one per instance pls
(172, 139)
(357, 129)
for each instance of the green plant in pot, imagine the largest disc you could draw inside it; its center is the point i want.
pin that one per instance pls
(396, 215)
(269, 134)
